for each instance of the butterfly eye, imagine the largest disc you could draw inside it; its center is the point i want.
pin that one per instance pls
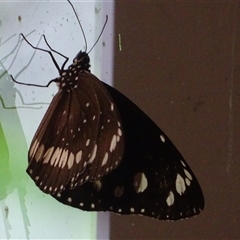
(97, 151)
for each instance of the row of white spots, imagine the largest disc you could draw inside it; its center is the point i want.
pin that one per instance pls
(113, 144)
(61, 157)
(81, 204)
(132, 210)
(188, 177)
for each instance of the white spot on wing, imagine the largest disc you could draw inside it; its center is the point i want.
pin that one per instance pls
(93, 155)
(63, 158)
(79, 156)
(105, 159)
(33, 148)
(170, 199)
(187, 181)
(119, 132)
(70, 160)
(112, 107)
(39, 153)
(140, 182)
(162, 138)
(113, 143)
(88, 141)
(48, 155)
(55, 155)
(189, 176)
(180, 185)
(58, 157)
(183, 164)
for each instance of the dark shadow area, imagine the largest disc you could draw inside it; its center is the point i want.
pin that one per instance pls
(179, 62)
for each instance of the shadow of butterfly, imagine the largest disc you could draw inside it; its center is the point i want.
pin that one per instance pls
(97, 151)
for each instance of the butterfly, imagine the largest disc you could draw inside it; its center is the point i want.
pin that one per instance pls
(97, 151)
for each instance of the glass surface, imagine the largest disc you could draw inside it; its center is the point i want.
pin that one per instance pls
(27, 213)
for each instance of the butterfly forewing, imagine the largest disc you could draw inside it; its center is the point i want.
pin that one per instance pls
(153, 179)
(80, 137)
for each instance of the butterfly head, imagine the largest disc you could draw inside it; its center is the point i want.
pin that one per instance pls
(81, 61)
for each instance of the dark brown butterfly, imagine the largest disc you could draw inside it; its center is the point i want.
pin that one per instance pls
(97, 151)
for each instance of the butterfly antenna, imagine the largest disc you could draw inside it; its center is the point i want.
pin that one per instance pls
(84, 36)
(99, 34)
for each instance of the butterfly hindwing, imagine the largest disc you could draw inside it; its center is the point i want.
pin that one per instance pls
(153, 178)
